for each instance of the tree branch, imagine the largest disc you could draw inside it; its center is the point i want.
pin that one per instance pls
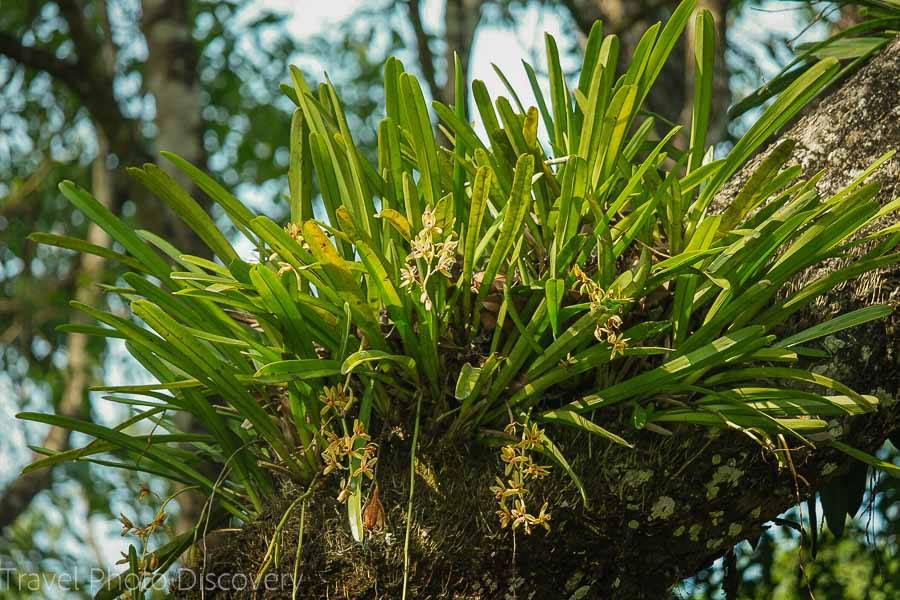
(40, 59)
(88, 45)
(426, 58)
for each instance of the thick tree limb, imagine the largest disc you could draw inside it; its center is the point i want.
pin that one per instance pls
(844, 133)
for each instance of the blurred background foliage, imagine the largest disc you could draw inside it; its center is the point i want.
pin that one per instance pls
(89, 85)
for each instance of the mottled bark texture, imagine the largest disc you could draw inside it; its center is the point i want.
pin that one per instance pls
(658, 513)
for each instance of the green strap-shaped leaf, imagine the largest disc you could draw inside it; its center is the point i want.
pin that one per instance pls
(576, 421)
(297, 370)
(839, 323)
(480, 192)
(704, 74)
(617, 121)
(363, 205)
(291, 252)
(139, 445)
(554, 290)
(300, 170)
(167, 189)
(343, 280)
(712, 354)
(514, 216)
(117, 230)
(757, 373)
(548, 448)
(751, 193)
(665, 44)
(278, 302)
(397, 221)
(206, 367)
(775, 116)
(70, 243)
(559, 96)
(465, 382)
(397, 310)
(417, 122)
(239, 214)
(542, 105)
(686, 285)
(407, 363)
(598, 94)
(641, 55)
(889, 468)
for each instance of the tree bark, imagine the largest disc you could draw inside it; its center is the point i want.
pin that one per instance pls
(658, 513)
(170, 74)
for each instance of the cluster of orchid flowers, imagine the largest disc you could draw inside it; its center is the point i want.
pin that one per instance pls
(603, 303)
(429, 255)
(519, 469)
(148, 562)
(353, 452)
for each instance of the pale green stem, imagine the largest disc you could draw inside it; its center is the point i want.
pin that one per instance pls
(299, 552)
(412, 483)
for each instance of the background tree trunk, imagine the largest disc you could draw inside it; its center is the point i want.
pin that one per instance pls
(171, 76)
(461, 19)
(16, 498)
